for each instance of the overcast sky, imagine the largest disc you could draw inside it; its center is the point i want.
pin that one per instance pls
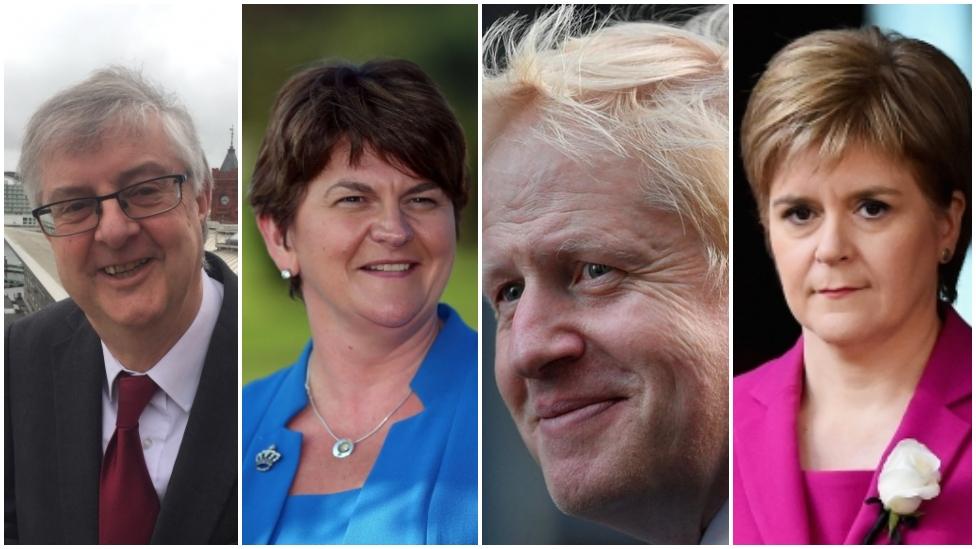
(193, 52)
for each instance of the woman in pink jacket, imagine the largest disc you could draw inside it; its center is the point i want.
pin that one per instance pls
(857, 147)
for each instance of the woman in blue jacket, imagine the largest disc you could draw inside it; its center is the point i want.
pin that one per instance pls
(371, 435)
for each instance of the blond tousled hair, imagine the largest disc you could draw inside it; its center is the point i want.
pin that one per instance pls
(653, 92)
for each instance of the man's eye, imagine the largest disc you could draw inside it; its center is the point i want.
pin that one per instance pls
(596, 270)
(145, 190)
(511, 292)
(73, 207)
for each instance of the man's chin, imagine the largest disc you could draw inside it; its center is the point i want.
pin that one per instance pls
(655, 509)
(581, 490)
(126, 314)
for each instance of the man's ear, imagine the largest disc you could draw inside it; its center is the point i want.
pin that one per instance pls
(203, 203)
(276, 241)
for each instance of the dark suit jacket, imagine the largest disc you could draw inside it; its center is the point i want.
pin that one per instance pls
(54, 374)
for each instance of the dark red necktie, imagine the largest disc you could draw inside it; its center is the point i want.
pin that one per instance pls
(127, 501)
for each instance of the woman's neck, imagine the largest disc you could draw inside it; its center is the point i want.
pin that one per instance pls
(869, 371)
(356, 365)
(854, 396)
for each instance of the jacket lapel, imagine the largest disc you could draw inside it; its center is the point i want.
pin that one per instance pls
(202, 483)
(947, 380)
(399, 490)
(79, 377)
(933, 425)
(772, 480)
(267, 490)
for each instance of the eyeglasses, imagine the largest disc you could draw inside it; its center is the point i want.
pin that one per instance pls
(138, 201)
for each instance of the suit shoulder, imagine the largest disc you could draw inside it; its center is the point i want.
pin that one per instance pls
(217, 269)
(47, 326)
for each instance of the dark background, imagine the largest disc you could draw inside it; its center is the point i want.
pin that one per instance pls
(764, 327)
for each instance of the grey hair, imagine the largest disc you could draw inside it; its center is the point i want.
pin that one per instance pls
(653, 92)
(112, 99)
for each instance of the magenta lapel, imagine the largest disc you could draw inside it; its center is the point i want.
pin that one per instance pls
(764, 443)
(947, 380)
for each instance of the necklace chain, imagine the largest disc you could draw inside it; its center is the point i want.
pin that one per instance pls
(315, 410)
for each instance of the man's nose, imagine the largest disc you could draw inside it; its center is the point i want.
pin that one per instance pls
(834, 242)
(543, 333)
(114, 227)
(391, 227)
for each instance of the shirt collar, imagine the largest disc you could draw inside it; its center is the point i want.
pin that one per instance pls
(178, 373)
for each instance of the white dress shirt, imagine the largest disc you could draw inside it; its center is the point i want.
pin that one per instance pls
(177, 374)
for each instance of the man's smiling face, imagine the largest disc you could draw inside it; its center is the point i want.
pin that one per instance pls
(128, 273)
(612, 340)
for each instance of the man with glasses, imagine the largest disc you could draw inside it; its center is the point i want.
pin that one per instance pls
(121, 402)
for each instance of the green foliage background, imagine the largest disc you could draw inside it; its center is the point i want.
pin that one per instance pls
(280, 40)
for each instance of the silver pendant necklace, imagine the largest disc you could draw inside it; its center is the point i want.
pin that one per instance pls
(344, 447)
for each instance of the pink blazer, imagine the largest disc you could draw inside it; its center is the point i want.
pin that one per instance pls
(769, 503)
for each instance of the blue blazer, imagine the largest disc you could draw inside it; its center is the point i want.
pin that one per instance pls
(423, 488)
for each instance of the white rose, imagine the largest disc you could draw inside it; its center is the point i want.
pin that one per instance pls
(910, 475)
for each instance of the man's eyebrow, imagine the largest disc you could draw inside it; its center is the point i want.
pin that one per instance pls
(145, 170)
(491, 267)
(68, 192)
(583, 247)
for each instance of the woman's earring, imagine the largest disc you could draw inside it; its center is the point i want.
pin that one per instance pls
(946, 255)
(286, 274)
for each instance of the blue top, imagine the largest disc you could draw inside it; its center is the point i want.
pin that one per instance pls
(301, 519)
(423, 488)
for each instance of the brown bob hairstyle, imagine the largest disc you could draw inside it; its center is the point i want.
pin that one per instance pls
(834, 90)
(390, 107)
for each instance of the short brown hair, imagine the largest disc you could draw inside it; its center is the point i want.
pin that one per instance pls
(833, 90)
(390, 107)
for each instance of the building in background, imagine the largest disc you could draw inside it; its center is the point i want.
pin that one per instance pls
(16, 207)
(223, 209)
